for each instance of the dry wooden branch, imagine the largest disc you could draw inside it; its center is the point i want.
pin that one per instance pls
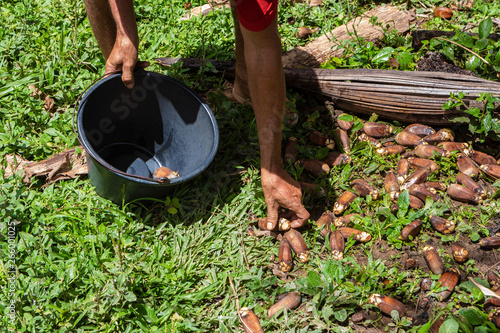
(396, 95)
(327, 46)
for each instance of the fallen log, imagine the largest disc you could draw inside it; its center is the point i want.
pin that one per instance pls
(313, 54)
(396, 95)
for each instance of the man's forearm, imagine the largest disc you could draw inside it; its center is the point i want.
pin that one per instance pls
(124, 16)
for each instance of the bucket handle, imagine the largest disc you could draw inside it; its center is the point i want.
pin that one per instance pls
(113, 169)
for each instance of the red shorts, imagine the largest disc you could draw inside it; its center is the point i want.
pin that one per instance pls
(256, 15)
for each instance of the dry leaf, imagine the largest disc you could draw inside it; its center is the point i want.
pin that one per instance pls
(14, 164)
(65, 165)
(486, 291)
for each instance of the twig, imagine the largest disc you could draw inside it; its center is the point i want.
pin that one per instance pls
(238, 304)
(474, 53)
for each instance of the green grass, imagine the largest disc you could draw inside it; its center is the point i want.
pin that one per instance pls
(84, 264)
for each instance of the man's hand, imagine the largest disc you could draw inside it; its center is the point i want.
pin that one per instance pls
(124, 57)
(280, 190)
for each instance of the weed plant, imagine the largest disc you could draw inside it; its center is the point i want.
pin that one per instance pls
(84, 264)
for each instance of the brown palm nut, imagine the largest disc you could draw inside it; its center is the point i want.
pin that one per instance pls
(317, 138)
(394, 208)
(427, 151)
(422, 192)
(408, 139)
(443, 12)
(492, 170)
(283, 224)
(364, 188)
(334, 158)
(480, 157)
(433, 260)
(343, 139)
(408, 154)
(438, 186)
(468, 182)
(251, 323)
(459, 253)
(337, 244)
(391, 150)
(451, 146)
(324, 223)
(344, 124)
(494, 317)
(420, 129)
(360, 236)
(416, 163)
(387, 304)
(304, 32)
(416, 203)
(314, 168)
(491, 304)
(426, 284)
(411, 230)
(366, 138)
(437, 324)
(285, 256)
(314, 189)
(290, 301)
(291, 151)
(377, 130)
(490, 242)
(403, 170)
(164, 173)
(493, 279)
(343, 202)
(442, 225)
(298, 245)
(463, 194)
(410, 263)
(444, 134)
(344, 220)
(466, 165)
(449, 280)
(391, 185)
(417, 177)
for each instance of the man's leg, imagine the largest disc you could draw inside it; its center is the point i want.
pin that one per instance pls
(102, 23)
(240, 82)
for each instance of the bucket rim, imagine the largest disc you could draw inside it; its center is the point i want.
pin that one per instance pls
(80, 133)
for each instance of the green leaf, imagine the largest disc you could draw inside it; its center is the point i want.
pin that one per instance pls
(481, 44)
(403, 203)
(472, 63)
(449, 326)
(466, 40)
(474, 111)
(314, 279)
(487, 123)
(172, 210)
(404, 59)
(341, 315)
(471, 315)
(485, 27)
(346, 117)
(383, 55)
(448, 52)
(327, 312)
(130, 296)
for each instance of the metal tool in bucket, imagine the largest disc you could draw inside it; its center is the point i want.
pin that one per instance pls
(129, 133)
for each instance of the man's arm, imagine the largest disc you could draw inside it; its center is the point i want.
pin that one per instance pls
(266, 83)
(115, 29)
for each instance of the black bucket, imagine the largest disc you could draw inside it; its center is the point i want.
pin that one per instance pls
(128, 134)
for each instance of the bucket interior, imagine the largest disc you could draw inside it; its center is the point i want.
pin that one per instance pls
(160, 122)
